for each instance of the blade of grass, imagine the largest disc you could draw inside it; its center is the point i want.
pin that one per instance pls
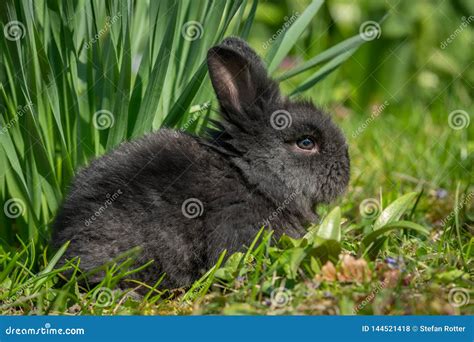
(338, 49)
(153, 91)
(323, 72)
(282, 47)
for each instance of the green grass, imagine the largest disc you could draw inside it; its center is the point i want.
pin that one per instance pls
(398, 242)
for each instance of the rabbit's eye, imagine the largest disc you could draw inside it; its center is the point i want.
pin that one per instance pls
(306, 143)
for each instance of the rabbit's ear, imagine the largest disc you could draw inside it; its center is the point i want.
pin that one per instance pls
(238, 75)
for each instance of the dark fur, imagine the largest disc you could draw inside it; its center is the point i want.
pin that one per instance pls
(245, 173)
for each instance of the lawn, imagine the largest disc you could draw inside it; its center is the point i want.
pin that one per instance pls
(79, 77)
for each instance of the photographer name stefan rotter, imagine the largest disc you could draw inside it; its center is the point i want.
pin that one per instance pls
(445, 328)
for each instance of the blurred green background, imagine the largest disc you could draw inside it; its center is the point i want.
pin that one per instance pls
(409, 61)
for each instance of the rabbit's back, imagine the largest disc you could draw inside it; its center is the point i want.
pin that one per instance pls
(154, 193)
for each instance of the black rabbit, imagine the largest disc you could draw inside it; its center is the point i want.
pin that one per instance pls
(184, 199)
